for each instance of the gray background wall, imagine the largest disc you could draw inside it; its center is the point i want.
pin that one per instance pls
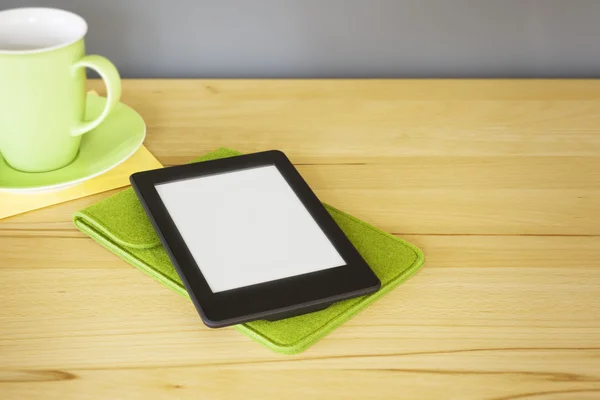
(342, 38)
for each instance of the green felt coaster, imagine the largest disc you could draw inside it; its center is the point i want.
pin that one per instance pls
(120, 224)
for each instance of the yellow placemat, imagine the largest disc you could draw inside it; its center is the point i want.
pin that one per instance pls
(13, 203)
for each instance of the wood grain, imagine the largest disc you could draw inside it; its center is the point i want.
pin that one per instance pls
(497, 181)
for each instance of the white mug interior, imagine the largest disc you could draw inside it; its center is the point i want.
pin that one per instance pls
(33, 30)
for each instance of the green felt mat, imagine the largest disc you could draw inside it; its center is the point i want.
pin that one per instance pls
(120, 224)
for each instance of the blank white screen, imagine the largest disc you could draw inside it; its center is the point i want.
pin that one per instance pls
(247, 227)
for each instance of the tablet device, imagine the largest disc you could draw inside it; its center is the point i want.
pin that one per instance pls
(250, 240)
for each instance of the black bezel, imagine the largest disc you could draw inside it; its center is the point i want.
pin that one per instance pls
(289, 296)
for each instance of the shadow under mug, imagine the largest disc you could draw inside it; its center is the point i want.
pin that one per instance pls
(43, 87)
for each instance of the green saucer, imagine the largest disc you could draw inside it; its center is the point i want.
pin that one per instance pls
(102, 149)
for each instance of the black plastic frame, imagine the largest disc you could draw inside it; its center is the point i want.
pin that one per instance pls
(270, 300)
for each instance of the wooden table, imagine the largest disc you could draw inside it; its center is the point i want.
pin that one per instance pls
(497, 181)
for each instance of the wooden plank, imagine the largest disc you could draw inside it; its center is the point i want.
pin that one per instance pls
(439, 195)
(68, 250)
(493, 377)
(562, 252)
(78, 325)
(314, 121)
(427, 211)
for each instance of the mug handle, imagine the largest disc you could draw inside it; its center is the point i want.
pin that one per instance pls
(108, 72)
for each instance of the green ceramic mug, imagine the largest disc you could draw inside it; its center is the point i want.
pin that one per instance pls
(42, 87)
